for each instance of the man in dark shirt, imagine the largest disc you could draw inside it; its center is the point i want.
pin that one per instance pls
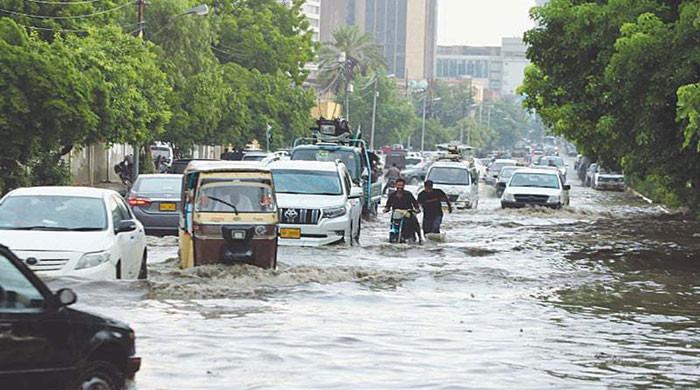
(431, 199)
(404, 200)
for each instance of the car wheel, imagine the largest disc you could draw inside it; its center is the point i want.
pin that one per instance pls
(118, 270)
(143, 272)
(101, 375)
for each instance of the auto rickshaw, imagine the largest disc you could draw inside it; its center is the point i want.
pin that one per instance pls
(228, 214)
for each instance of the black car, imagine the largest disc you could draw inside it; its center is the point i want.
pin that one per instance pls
(46, 345)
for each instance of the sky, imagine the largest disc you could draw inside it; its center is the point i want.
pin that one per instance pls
(482, 22)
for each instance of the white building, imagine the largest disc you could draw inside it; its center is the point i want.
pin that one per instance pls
(513, 54)
(312, 10)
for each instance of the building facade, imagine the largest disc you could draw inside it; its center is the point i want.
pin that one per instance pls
(312, 11)
(503, 68)
(406, 31)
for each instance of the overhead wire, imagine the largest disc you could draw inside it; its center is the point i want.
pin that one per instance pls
(15, 13)
(78, 2)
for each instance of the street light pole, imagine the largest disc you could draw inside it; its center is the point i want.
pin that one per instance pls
(374, 114)
(422, 133)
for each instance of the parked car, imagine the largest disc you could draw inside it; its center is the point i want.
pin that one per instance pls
(318, 203)
(590, 174)
(536, 187)
(47, 345)
(503, 178)
(76, 231)
(495, 167)
(155, 200)
(608, 180)
(460, 183)
(416, 174)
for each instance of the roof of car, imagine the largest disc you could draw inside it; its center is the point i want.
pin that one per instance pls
(84, 192)
(548, 170)
(223, 165)
(449, 164)
(159, 175)
(505, 160)
(305, 165)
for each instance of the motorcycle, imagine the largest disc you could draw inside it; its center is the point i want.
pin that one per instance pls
(401, 231)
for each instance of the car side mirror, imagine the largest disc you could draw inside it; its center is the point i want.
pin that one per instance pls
(66, 297)
(356, 192)
(125, 226)
(567, 187)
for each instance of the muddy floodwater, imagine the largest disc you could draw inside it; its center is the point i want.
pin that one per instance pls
(605, 293)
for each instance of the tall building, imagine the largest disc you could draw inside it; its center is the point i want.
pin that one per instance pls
(540, 3)
(513, 53)
(312, 11)
(502, 67)
(406, 31)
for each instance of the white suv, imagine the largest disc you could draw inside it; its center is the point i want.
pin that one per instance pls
(457, 181)
(536, 187)
(318, 203)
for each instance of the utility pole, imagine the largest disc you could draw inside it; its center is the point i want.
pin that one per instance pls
(488, 118)
(374, 113)
(141, 15)
(422, 133)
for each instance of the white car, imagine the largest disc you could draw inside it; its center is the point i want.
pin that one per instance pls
(457, 181)
(74, 231)
(318, 203)
(536, 187)
(608, 180)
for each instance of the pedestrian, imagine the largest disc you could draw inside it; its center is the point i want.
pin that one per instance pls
(392, 175)
(431, 200)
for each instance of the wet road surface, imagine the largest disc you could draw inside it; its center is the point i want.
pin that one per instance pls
(603, 294)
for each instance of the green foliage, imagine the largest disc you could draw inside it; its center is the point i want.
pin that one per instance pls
(607, 76)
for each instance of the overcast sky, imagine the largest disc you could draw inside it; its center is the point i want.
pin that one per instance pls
(482, 22)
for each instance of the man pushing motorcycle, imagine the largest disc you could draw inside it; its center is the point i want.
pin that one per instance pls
(404, 200)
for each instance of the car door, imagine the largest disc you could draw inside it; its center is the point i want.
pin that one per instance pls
(37, 344)
(137, 238)
(126, 242)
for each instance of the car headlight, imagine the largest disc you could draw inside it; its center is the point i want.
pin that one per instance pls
(508, 197)
(553, 199)
(94, 259)
(334, 212)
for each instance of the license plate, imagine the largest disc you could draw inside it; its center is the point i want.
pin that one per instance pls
(238, 234)
(167, 207)
(290, 233)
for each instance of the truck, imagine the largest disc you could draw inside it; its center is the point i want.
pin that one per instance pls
(333, 140)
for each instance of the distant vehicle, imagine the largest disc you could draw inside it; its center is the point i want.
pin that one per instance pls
(590, 175)
(457, 181)
(412, 161)
(256, 156)
(549, 141)
(495, 167)
(74, 231)
(535, 187)
(503, 178)
(521, 155)
(608, 180)
(416, 174)
(553, 161)
(318, 203)
(155, 201)
(164, 151)
(46, 345)
(395, 157)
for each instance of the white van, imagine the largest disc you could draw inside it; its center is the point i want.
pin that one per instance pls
(455, 179)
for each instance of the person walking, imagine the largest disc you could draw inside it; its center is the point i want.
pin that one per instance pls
(431, 200)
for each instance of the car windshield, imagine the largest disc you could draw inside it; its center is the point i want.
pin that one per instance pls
(348, 157)
(539, 180)
(158, 185)
(497, 166)
(234, 196)
(452, 176)
(40, 212)
(18, 293)
(307, 182)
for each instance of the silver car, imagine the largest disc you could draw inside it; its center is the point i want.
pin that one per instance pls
(155, 201)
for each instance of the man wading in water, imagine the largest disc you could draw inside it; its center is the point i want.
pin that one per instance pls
(431, 201)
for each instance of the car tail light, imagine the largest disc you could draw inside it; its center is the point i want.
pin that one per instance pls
(137, 201)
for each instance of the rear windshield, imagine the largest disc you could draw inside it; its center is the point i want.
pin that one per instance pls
(158, 185)
(451, 176)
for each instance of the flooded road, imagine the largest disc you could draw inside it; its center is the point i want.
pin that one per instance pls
(603, 294)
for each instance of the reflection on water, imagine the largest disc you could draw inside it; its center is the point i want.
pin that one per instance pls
(605, 293)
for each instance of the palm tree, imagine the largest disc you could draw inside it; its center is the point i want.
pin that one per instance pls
(351, 53)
